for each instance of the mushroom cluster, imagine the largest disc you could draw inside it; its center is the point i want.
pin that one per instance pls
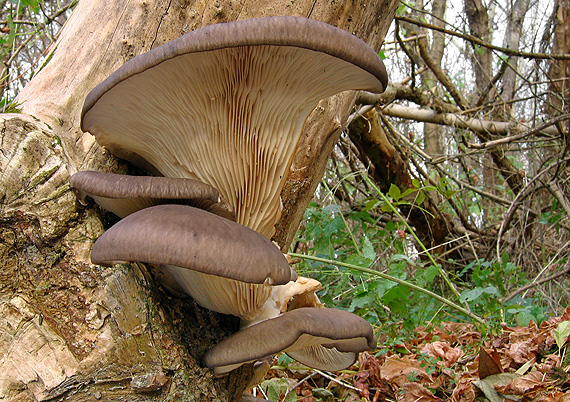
(215, 117)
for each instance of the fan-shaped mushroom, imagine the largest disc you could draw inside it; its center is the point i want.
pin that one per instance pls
(123, 195)
(322, 338)
(225, 254)
(225, 104)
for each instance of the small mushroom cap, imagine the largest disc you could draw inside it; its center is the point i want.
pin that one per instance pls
(296, 332)
(226, 104)
(123, 194)
(111, 185)
(191, 238)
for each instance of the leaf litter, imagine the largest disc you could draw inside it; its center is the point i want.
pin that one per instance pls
(450, 363)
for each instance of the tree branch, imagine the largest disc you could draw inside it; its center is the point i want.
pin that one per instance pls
(534, 284)
(441, 75)
(477, 125)
(477, 41)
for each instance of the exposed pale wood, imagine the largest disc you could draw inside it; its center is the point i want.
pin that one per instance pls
(455, 120)
(90, 333)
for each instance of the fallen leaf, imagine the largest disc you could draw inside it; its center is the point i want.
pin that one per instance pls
(525, 384)
(490, 383)
(414, 392)
(561, 333)
(489, 363)
(464, 391)
(402, 370)
(443, 351)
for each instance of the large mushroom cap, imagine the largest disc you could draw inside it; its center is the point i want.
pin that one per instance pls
(194, 239)
(323, 338)
(225, 104)
(123, 195)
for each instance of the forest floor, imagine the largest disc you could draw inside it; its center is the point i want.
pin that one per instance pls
(451, 362)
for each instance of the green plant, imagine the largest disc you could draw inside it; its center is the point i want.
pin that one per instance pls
(373, 267)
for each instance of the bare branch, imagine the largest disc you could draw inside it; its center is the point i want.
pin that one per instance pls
(477, 125)
(479, 42)
(441, 75)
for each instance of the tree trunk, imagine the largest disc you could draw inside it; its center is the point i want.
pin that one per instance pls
(559, 70)
(432, 132)
(76, 331)
(512, 41)
(482, 60)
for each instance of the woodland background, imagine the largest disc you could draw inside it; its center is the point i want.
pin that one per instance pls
(447, 198)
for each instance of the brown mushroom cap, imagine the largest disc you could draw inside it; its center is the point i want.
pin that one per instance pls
(225, 104)
(111, 185)
(194, 239)
(323, 338)
(123, 195)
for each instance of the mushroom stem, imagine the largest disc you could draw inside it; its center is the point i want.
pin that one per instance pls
(302, 289)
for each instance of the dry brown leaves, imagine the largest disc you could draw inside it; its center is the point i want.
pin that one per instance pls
(452, 363)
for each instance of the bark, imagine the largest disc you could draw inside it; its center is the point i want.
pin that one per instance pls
(478, 18)
(432, 132)
(512, 41)
(487, 128)
(75, 331)
(559, 71)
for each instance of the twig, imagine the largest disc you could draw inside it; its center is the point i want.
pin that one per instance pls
(477, 125)
(539, 282)
(440, 74)
(557, 193)
(337, 380)
(477, 41)
(314, 373)
(535, 130)
(508, 216)
(370, 271)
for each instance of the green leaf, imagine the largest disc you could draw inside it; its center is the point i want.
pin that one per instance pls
(524, 318)
(427, 275)
(474, 294)
(276, 388)
(394, 192)
(364, 299)
(381, 54)
(420, 198)
(323, 394)
(408, 192)
(368, 249)
(390, 226)
(371, 204)
(284, 360)
(561, 333)
(401, 257)
(333, 226)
